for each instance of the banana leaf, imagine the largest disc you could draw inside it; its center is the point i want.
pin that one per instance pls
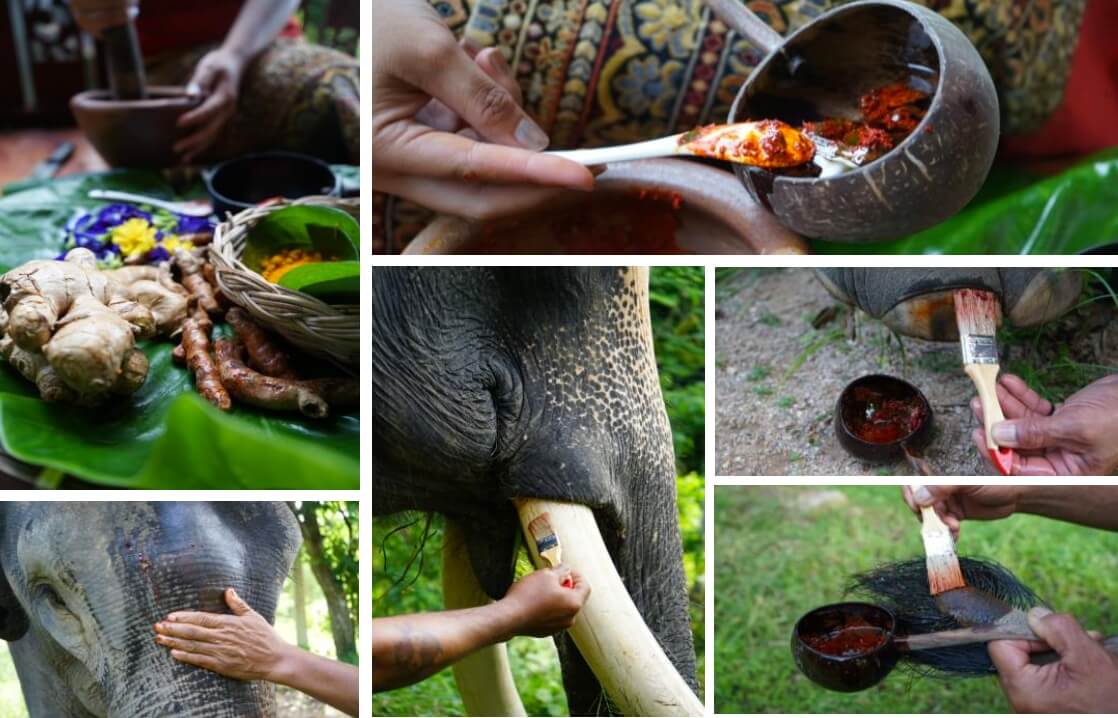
(1069, 213)
(164, 436)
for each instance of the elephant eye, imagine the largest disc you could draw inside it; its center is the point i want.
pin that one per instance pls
(46, 592)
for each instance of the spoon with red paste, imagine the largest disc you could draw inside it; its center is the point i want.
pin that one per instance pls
(769, 144)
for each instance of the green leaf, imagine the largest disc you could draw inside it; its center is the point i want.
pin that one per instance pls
(330, 231)
(1015, 213)
(339, 282)
(164, 436)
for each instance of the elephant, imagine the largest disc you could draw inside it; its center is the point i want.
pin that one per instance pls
(919, 301)
(83, 584)
(500, 393)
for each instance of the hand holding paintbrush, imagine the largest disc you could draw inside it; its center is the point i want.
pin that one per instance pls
(977, 313)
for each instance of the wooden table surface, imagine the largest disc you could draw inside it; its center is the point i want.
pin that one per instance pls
(21, 150)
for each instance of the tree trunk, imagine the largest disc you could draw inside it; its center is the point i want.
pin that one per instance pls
(341, 624)
(299, 581)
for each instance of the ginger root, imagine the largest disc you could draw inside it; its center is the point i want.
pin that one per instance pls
(72, 329)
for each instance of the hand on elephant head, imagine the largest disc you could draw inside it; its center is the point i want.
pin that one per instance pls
(919, 301)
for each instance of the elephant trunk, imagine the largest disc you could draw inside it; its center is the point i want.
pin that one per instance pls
(192, 693)
(610, 633)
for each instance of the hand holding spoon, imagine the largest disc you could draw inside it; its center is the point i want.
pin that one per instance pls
(766, 143)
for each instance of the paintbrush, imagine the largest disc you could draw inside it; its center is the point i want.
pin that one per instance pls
(547, 545)
(977, 313)
(944, 573)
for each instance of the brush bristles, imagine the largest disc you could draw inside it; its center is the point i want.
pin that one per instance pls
(977, 313)
(547, 543)
(944, 573)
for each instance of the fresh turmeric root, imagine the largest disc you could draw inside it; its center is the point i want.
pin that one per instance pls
(267, 392)
(78, 322)
(190, 265)
(265, 355)
(196, 351)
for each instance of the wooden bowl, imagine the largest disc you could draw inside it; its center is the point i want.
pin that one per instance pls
(134, 133)
(629, 212)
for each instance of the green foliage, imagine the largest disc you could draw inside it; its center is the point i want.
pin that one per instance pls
(340, 526)
(1044, 356)
(690, 492)
(1016, 213)
(676, 296)
(164, 436)
(775, 560)
(332, 233)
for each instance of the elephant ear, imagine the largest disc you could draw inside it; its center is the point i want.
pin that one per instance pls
(13, 619)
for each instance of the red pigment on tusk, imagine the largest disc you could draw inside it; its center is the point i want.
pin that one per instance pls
(1003, 460)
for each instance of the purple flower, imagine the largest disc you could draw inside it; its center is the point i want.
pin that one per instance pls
(158, 254)
(194, 225)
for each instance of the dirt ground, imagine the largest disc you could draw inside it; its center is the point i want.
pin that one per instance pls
(777, 378)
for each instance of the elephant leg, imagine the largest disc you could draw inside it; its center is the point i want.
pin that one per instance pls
(609, 631)
(484, 678)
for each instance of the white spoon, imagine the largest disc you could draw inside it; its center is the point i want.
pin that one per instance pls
(766, 143)
(190, 209)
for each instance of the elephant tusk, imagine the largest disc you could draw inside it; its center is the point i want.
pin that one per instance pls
(484, 678)
(609, 631)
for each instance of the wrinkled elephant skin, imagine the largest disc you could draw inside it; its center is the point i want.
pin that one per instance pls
(83, 584)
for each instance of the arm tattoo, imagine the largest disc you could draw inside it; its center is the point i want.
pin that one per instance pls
(417, 650)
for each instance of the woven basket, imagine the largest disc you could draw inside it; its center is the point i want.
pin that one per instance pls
(327, 330)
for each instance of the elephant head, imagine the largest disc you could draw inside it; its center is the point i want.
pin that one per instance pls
(82, 585)
(502, 387)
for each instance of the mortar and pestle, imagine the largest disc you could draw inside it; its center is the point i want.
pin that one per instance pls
(130, 124)
(853, 646)
(823, 68)
(882, 419)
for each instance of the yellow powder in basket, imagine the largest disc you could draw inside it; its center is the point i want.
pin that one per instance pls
(279, 264)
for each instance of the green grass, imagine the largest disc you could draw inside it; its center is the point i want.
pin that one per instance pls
(773, 562)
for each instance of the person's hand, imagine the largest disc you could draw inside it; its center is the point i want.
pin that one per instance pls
(448, 129)
(1073, 438)
(954, 504)
(243, 645)
(1084, 680)
(217, 78)
(542, 605)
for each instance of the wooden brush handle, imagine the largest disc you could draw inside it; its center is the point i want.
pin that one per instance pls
(964, 636)
(985, 378)
(931, 519)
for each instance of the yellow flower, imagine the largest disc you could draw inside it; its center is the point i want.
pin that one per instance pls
(136, 237)
(172, 242)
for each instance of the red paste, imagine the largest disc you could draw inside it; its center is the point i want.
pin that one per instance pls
(854, 640)
(646, 222)
(880, 420)
(889, 114)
